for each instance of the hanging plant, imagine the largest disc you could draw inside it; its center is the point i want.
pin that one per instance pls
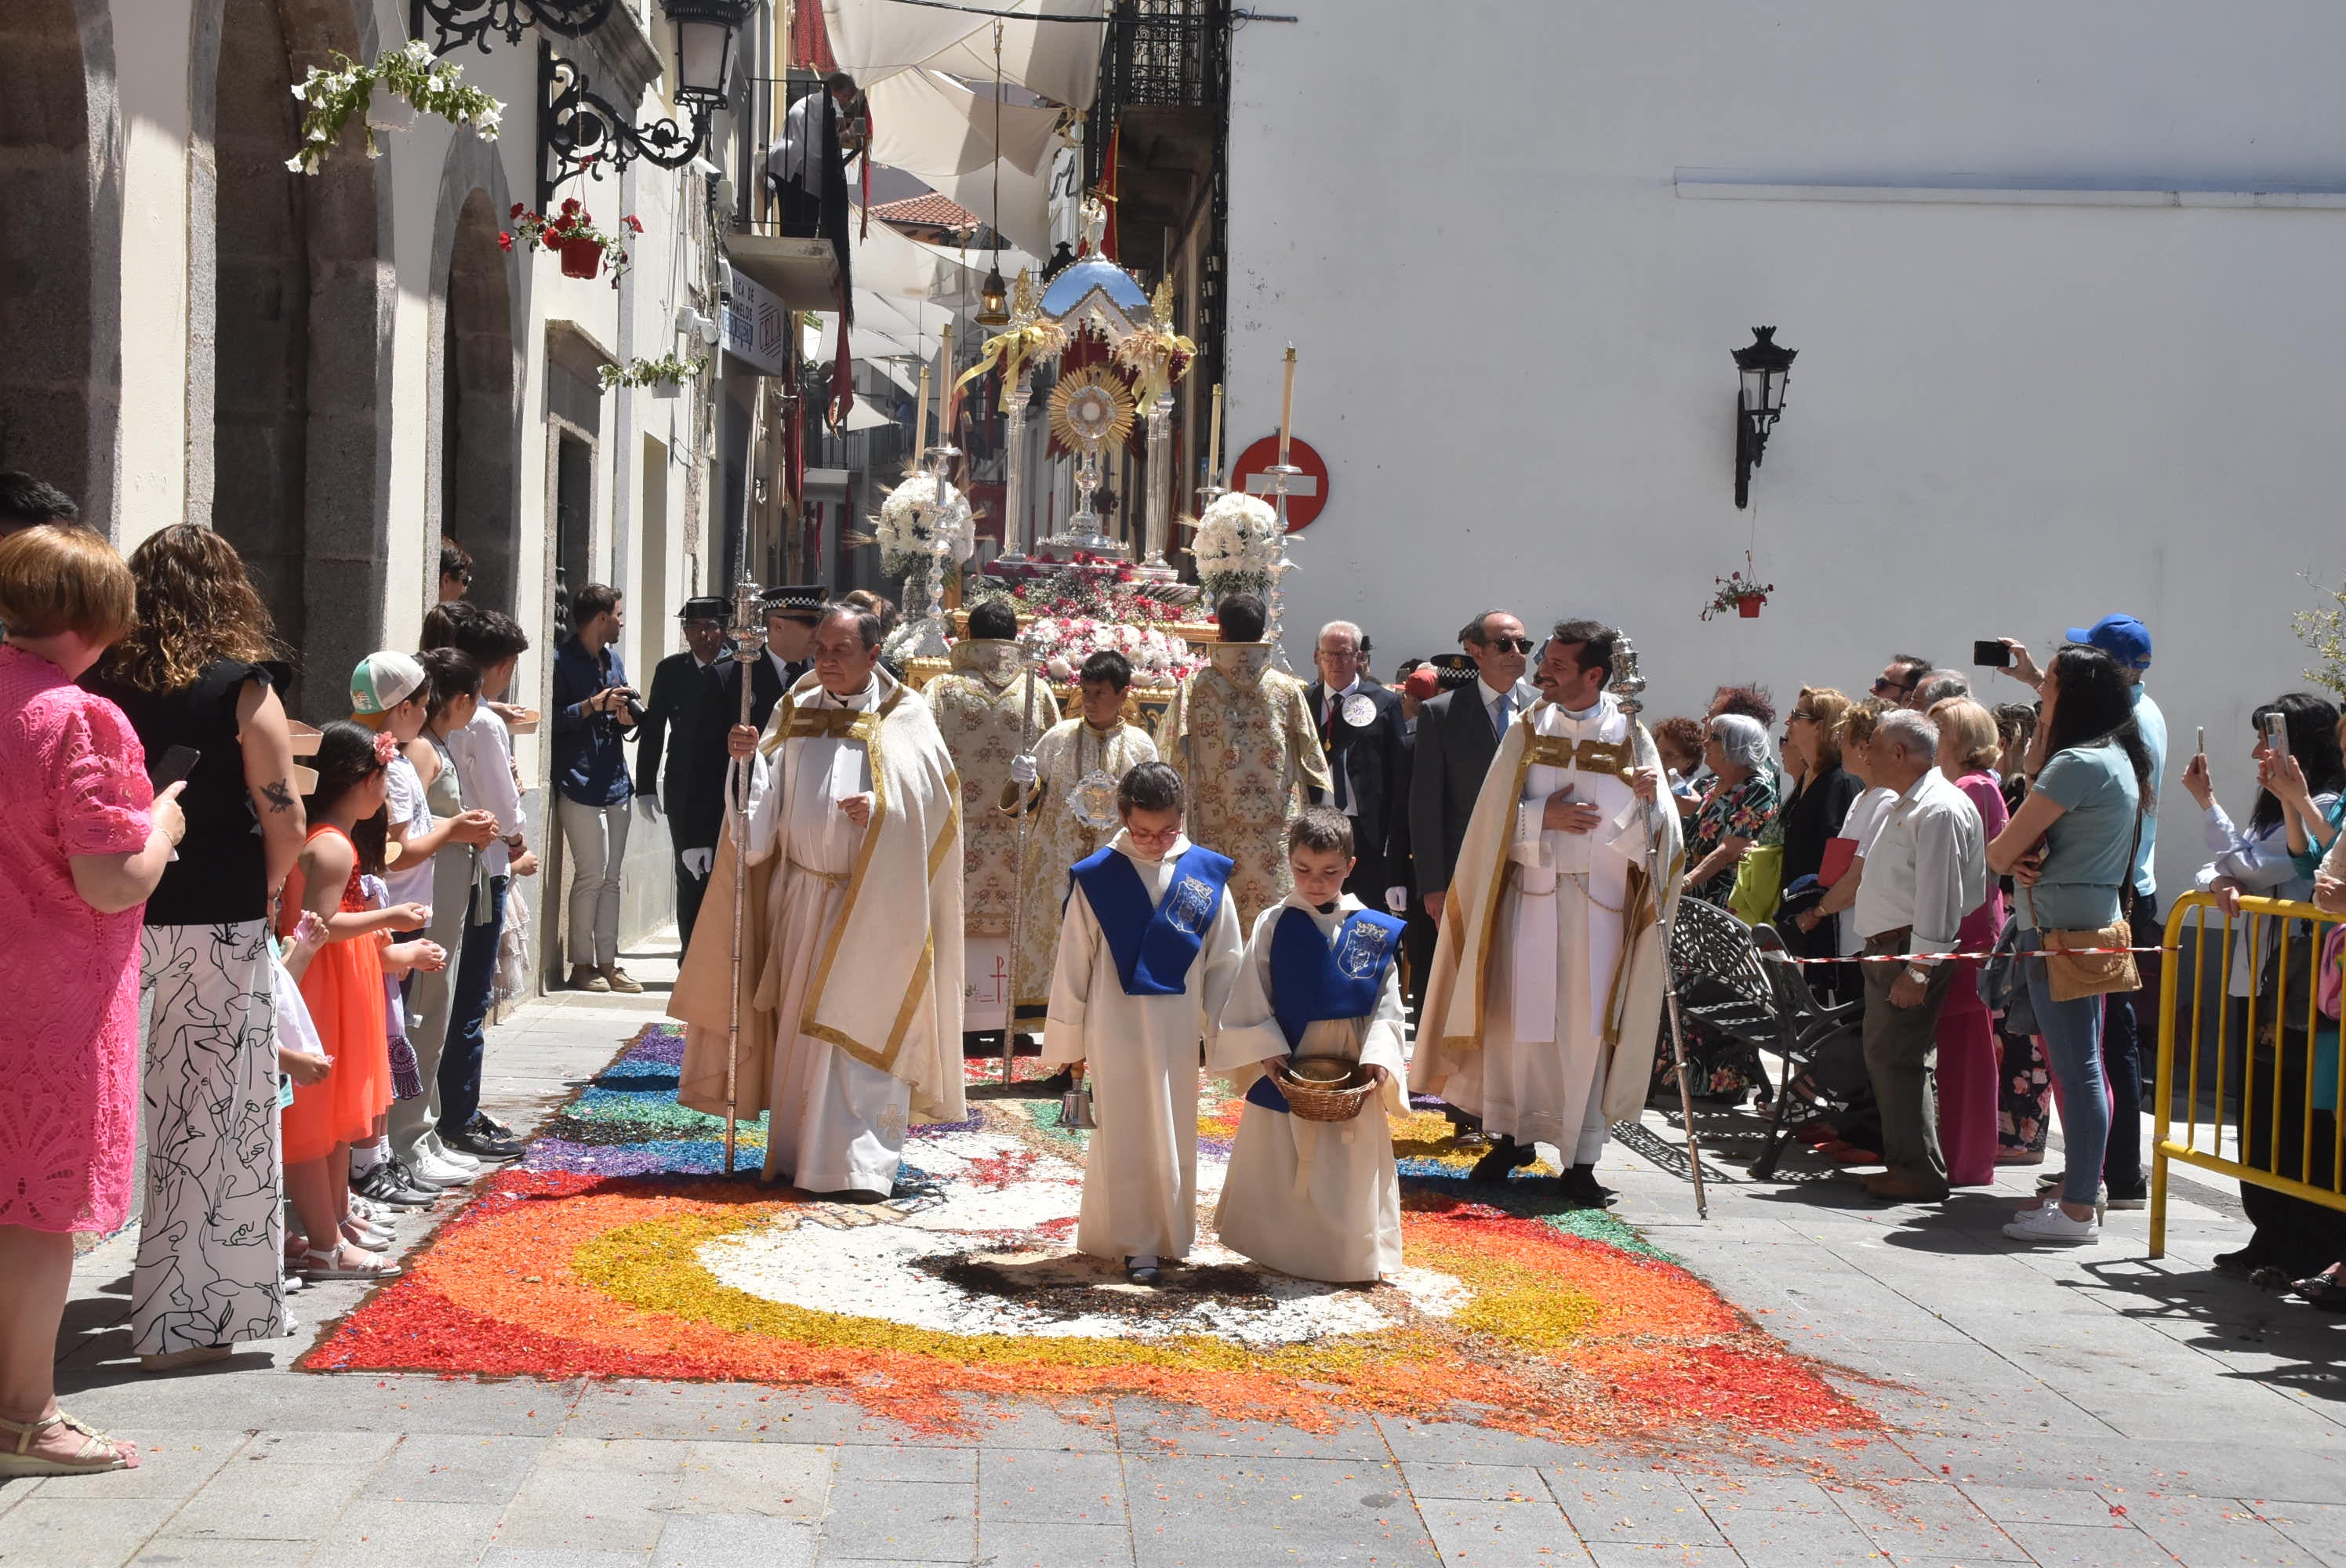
(586, 250)
(408, 74)
(1738, 592)
(665, 371)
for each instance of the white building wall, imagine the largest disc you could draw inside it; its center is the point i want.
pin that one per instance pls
(1513, 304)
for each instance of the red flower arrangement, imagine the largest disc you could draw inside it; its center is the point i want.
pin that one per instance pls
(586, 250)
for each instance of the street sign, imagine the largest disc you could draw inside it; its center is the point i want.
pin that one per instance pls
(1306, 493)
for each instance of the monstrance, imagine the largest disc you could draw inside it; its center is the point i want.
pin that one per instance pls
(1089, 410)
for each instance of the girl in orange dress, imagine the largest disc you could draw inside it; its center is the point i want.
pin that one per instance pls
(342, 985)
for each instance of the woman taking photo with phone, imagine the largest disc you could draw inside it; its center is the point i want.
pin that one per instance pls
(2071, 847)
(200, 672)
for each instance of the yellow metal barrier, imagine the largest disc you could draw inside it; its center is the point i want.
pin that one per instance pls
(2259, 1053)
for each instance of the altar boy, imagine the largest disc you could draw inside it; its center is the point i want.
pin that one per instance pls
(1148, 949)
(1319, 1200)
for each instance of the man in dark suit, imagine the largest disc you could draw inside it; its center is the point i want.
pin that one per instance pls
(1361, 730)
(1457, 735)
(680, 683)
(791, 615)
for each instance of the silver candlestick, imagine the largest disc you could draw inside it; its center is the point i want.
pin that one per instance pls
(936, 630)
(1280, 472)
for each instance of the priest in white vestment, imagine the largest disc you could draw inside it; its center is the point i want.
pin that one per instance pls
(1148, 947)
(1319, 1200)
(851, 1017)
(1544, 1003)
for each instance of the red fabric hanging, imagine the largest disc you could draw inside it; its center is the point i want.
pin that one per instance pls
(811, 39)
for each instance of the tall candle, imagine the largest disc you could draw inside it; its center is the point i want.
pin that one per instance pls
(944, 389)
(1287, 406)
(920, 420)
(1214, 440)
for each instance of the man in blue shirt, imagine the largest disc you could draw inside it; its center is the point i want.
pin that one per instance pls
(595, 714)
(2126, 1055)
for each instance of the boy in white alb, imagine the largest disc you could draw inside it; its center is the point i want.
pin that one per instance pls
(1148, 947)
(1319, 1200)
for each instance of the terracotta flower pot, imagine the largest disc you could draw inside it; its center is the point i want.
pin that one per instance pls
(1749, 607)
(581, 258)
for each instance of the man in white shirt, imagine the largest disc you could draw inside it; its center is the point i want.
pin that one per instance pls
(1927, 871)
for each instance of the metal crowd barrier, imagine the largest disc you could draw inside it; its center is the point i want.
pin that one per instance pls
(2248, 1060)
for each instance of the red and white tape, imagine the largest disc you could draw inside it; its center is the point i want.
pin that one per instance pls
(1934, 957)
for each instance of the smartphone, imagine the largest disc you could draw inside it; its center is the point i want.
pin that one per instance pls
(176, 763)
(2277, 733)
(1993, 654)
(2203, 740)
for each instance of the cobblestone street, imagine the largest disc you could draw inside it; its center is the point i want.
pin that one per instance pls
(2076, 1407)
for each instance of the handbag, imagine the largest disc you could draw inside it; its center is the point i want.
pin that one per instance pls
(1840, 855)
(1759, 884)
(2073, 975)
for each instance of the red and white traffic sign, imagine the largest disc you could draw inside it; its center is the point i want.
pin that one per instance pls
(1306, 493)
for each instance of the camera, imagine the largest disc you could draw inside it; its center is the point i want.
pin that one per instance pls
(1992, 653)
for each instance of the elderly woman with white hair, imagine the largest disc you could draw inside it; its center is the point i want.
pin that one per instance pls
(1741, 804)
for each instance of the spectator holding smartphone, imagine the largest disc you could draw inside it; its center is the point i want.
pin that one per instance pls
(201, 671)
(594, 713)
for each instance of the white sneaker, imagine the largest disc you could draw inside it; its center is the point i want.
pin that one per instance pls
(432, 1168)
(2049, 1223)
(377, 1215)
(448, 1156)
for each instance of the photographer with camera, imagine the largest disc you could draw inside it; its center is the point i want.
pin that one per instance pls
(596, 712)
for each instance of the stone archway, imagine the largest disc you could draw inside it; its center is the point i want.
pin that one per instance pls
(60, 234)
(297, 347)
(478, 471)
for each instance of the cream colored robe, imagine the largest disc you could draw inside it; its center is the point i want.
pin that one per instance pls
(981, 710)
(1140, 1172)
(1056, 841)
(851, 1021)
(1242, 736)
(1319, 1200)
(1526, 932)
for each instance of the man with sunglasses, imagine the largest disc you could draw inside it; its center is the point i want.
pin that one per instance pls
(1901, 679)
(1458, 733)
(682, 686)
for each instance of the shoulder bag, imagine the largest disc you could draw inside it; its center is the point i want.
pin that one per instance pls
(2072, 976)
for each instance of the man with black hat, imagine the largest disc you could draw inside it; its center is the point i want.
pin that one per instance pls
(791, 614)
(682, 684)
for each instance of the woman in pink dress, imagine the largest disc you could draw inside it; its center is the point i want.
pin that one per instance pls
(1970, 1086)
(83, 841)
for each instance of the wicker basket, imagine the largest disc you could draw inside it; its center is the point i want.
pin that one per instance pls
(1329, 1089)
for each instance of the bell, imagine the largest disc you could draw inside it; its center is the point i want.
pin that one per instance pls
(1075, 1109)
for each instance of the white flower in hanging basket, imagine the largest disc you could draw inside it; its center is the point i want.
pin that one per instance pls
(1239, 536)
(910, 523)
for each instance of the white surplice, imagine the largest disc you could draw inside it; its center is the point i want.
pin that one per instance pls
(1319, 1200)
(1140, 1174)
(835, 1124)
(1557, 944)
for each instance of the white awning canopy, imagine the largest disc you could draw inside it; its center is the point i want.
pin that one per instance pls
(873, 40)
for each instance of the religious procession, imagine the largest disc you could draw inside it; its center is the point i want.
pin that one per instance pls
(1025, 782)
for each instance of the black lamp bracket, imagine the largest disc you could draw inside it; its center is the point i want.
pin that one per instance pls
(579, 131)
(460, 21)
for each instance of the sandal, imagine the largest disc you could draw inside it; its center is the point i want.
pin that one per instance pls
(364, 1236)
(317, 1267)
(2327, 1291)
(97, 1453)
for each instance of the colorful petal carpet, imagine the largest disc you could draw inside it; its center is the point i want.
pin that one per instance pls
(615, 1250)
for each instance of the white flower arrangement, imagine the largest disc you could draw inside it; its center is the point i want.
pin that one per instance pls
(1160, 659)
(411, 73)
(1238, 545)
(910, 527)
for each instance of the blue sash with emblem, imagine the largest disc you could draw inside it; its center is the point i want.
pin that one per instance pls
(1153, 946)
(1312, 979)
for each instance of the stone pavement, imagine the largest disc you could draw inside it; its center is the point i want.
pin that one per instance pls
(2053, 1408)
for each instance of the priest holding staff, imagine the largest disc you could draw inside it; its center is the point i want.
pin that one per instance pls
(851, 967)
(1545, 1002)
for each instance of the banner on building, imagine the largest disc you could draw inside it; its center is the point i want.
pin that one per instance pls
(757, 326)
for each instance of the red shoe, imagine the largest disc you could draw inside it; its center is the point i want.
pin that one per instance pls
(1851, 1154)
(1816, 1131)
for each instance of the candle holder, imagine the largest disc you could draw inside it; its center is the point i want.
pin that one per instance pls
(1013, 470)
(933, 640)
(1280, 472)
(1161, 489)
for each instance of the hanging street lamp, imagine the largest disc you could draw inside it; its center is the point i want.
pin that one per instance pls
(1764, 365)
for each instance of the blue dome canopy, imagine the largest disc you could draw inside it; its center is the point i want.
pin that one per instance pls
(1071, 288)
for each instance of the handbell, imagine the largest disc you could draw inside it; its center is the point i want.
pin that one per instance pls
(1075, 1109)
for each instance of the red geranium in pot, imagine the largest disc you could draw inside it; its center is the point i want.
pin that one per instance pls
(1738, 592)
(586, 250)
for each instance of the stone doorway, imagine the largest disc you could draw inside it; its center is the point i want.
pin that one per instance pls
(477, 469)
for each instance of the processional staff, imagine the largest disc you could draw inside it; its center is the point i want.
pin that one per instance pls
(1627, 683)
